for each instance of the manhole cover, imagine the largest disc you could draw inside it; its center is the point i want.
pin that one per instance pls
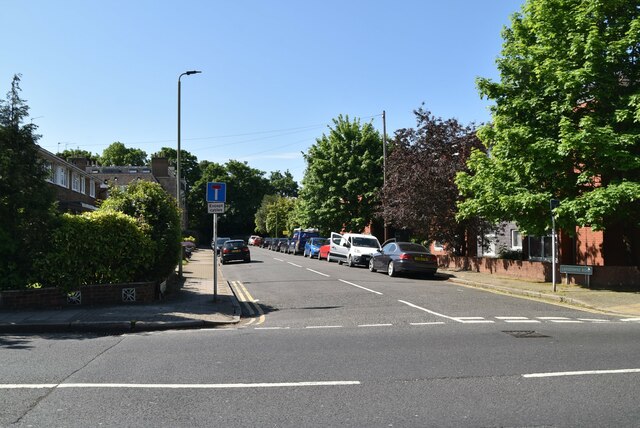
(524, 334)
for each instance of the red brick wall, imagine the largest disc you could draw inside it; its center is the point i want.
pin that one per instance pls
(589, 247)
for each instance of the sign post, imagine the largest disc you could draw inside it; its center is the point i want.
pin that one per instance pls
(216, 198)
(553, 204)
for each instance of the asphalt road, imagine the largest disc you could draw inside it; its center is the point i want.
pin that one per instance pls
(327, 345)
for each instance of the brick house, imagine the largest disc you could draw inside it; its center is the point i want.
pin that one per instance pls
(76, 190)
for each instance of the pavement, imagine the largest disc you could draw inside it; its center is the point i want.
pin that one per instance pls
(193, 305)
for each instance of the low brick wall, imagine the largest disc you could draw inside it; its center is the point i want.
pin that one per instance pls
(107, 294)
(610, 277)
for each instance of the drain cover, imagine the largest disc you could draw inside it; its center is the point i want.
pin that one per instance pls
(524, 334)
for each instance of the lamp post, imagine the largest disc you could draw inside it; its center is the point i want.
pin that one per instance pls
(178, 196)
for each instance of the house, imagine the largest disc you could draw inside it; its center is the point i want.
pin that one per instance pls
(76, 190)
(158, 172)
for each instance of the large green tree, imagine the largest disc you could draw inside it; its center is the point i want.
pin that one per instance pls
(283, 184)
(343, 177)
(246, 187)
(117, 154)
(26, 200)
(77, 153)
(566, 119)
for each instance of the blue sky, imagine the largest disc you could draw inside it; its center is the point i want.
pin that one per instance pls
(274, 72)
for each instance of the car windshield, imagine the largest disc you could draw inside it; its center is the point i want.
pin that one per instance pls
(365, 242)
(413, 247)
(234, 244)
(221, 241)
(320, 242)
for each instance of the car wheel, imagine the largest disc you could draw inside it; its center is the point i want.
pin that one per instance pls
(349, 261)
(329, 257)
(371, 268)
(391, 270)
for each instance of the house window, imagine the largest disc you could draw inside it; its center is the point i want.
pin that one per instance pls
(488, 243)
(83, 185)
(49, 170)
(516, 240)
(62, 178)
(539, 248)
(75, 182)
(92, 188)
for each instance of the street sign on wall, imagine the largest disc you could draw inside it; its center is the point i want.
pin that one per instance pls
(216, 192)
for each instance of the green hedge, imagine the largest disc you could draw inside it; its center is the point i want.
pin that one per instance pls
(101, 247)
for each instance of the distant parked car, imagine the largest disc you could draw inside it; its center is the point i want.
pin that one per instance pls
(235, 249)
(323, 252)
(255, 240)
(283, 247)
(397, 257)
(219, 242)
(312, 246)
(266, 242)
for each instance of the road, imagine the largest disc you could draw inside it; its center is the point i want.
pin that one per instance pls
(326, 345)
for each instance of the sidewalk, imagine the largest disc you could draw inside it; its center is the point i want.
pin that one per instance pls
(615, 303)
(190, 307)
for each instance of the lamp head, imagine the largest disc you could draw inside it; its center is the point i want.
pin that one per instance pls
(189, 73)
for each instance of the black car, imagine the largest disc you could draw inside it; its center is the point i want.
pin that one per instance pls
(218, 244)
(396, 257)
(235, 249)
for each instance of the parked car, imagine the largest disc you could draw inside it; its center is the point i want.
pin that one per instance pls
(312, 246)
(283, 247)
(255, 240)
(219, 242)
(235, 249)
(299, 239)
(266, 242)
(397, 257)
(323, 252)
(352, 248)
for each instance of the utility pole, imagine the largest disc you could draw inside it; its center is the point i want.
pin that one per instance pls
(384, 165)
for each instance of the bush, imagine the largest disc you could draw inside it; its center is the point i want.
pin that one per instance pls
(151, 205)
(101, 247)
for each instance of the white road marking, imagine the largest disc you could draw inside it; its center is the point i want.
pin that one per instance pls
(280, 260)
(428, 311)
(630, 319)
(178, 385)
(323, 326)
(359, 286)
(566, 321)
(580, 373)
(427, 323)
(523, 321)
(552, 318)
(472, 321)
(594, 320)
(271, 328)
(319, 273)
(512, 318)
(293, 264)
(375, 325)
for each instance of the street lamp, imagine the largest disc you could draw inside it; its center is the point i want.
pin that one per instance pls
(178, 198)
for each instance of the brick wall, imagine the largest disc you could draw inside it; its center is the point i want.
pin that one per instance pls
(110, 294)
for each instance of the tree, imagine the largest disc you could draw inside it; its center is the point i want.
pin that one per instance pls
(566, 119)
(77, 153)
(420, 193)
(343, 177)
(26, 200)
(151, 205)
(189, 168)
(283, 184)
(119, 155)
(274, 215)
(246, 187)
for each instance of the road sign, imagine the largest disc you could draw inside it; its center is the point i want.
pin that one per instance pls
(215, 207)
(216, 192)
(576, 269)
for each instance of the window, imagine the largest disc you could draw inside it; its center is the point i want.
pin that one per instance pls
(92, 188)
(83, 185)
(488, 243)
(516, 240)
(75, 182)
(49, 169)
(62, 178)
(539, 248)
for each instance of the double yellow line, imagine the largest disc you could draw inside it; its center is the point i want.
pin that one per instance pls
(245, 298)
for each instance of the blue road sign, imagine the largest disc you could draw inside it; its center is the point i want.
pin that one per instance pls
(216, 192)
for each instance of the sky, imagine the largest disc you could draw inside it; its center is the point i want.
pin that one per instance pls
(275, 73)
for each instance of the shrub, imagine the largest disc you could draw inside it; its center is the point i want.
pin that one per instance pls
(151, 205)
(101, 247)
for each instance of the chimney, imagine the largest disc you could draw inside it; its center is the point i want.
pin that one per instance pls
(81, 163)
(160, 167)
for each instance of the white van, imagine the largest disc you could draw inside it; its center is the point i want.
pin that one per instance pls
(352, 248)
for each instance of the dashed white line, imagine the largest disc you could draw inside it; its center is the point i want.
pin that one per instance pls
(360, 286)
(293, 264)
(630, 319)
(427, 310)
(580, 373)
(594, 320)
(323, 326)
(427, 323)
(375, 325)
(271, 328)
(319, 273)
(280, 260)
